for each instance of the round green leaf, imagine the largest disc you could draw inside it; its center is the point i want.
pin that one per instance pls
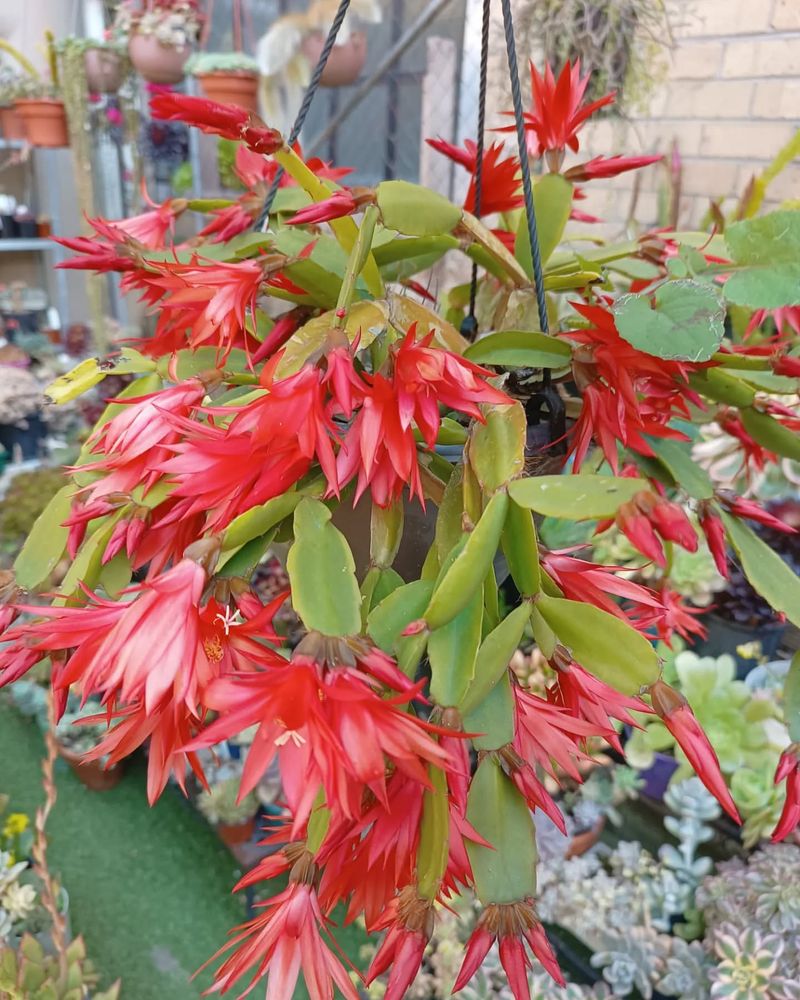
(767, 250)
(687, 322)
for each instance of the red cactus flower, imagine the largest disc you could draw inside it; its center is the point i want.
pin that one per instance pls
(409, 925)
(226, 120)
(714, 530)
(648, 515)
(608, 166)
(501, 189)
(674, 711)
(328, 728)
(587, 697)
(285, 937)
(749, 509)
(339, 204)
(557, 113)
(788, 770)
(785, 318)
(510, 924)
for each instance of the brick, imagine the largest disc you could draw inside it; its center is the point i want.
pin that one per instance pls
(696, 61)
(710, 178)
(769, 57)
(708, 99)
(777, 99)
(657, 137)
(750, 140)
(786, 185)
(724, 17)
(786, 15)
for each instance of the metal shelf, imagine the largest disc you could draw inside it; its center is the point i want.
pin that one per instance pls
(26, 245)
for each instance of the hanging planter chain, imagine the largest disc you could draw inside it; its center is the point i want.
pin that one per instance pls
(308, 97)
(470, 324)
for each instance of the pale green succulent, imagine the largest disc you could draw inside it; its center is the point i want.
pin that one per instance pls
(685, 971)
(219, 804)
(747, 964)
(630, 962)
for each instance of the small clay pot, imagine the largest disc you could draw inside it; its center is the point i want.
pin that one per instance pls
(239, 88)
(103, 70)
(583, 842)
(157, 63)
(91, 773)
(11, 124)
(233, 834)
(345, 61)
(45, 122)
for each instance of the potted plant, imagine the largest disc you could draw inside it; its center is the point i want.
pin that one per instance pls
(160, 36)
(30, 971)
(228, 77)
(21, 427)
(233, 820)
(104, 63)
(77, 737)
(11, 86)
(345, 62)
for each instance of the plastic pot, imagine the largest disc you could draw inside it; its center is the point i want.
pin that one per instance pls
(91, 773)
(157, 63)
(657, 776)
(11, 124)
(345, 61)
(103, 70)
(233, 834)
(239, 88)
(45, 122)
(725, 636)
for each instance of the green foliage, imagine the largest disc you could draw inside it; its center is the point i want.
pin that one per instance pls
(27, 496)
(685, 320)
(576, 497)
(767, 250)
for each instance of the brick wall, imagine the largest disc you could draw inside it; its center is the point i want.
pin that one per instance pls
(731, 99)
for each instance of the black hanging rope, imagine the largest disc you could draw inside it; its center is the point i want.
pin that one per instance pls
(308, 97)
(525, 169)
(470, 325)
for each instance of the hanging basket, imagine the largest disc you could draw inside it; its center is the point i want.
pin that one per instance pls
(155, 62)
(231, 87)
(45, 122)
(11, 124)
(104, 71)
(345, 61)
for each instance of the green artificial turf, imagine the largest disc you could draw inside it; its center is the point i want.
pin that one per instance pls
(149, 889)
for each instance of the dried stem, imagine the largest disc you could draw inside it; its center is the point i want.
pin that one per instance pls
(50, 888)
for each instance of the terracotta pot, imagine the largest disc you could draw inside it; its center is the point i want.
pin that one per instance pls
(583, 842)
(345, 61)
(239, 88)
(236, 833)
(103, 70)
(92, 774)
(45, 122)
(11, 124)
(157, 63)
